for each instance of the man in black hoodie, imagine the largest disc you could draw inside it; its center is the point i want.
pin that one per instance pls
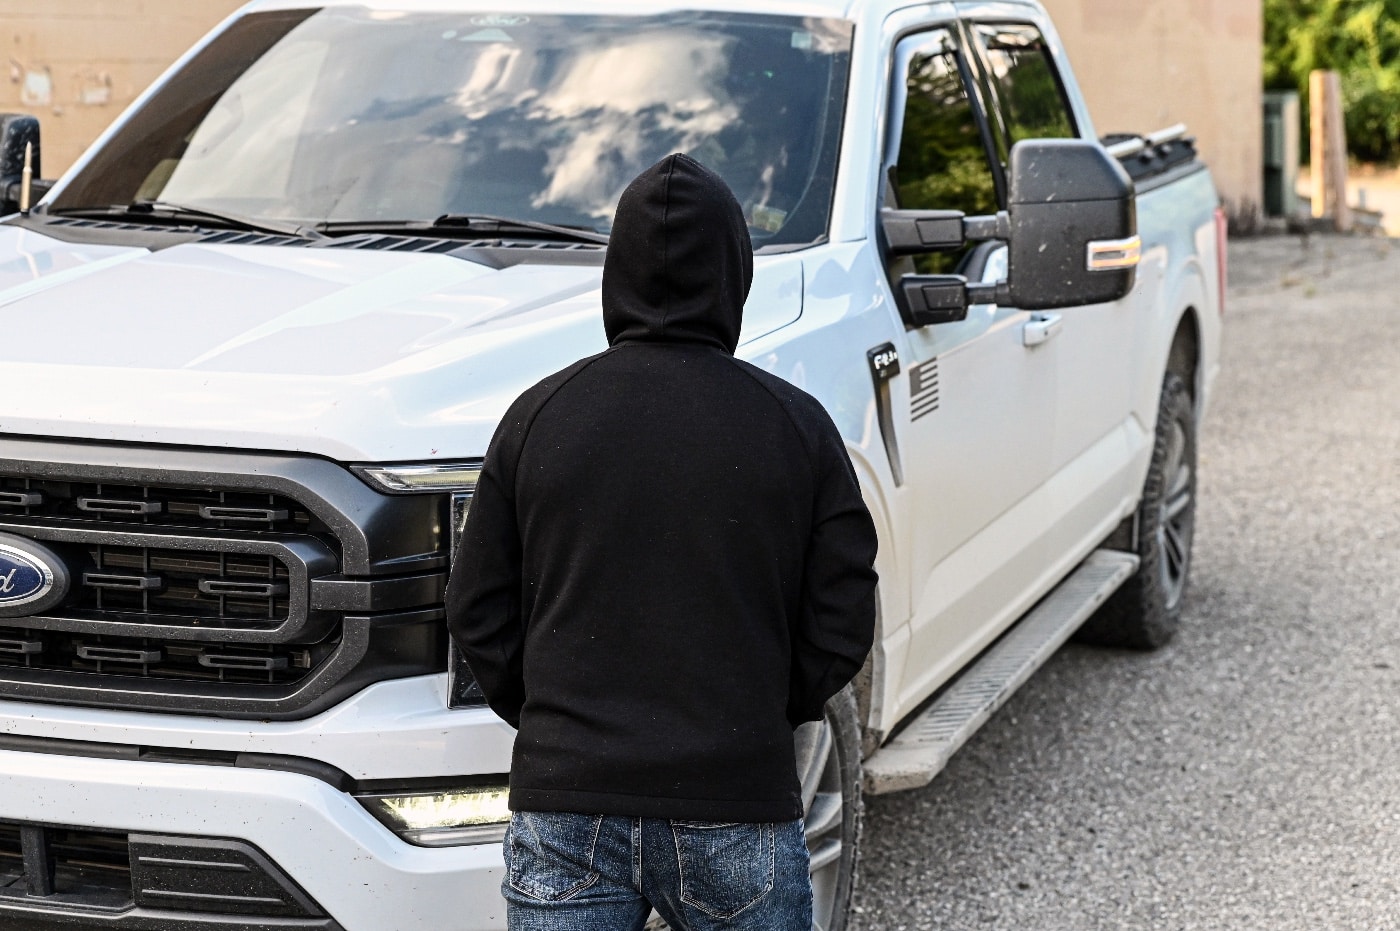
(667, 568)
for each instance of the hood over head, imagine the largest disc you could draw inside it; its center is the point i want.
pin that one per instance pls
(679, 261)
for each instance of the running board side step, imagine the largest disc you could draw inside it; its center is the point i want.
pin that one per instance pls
(924, 747)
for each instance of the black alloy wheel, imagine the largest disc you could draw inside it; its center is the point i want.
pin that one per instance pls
(1145, 613)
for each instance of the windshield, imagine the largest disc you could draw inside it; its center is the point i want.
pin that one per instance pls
(353, 115)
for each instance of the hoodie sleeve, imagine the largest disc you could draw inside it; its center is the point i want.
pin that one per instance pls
(837, 622)
(484, 588)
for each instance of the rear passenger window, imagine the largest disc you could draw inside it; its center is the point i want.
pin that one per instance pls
(1027, 98)
(941, 161)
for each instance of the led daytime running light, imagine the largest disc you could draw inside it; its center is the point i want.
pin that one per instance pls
(466, 808)
(451, 818)
(424, 478)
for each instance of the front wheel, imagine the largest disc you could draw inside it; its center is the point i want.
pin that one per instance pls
(1145, 613)
(828, 763)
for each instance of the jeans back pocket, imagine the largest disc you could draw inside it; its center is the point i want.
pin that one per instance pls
(549, 855)
(724, 867)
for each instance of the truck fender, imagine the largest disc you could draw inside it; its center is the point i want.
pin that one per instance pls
(874, 677)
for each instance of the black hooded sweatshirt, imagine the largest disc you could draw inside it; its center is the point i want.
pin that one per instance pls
(667, 565)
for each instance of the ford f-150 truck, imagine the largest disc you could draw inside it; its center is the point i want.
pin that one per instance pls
(254, 344)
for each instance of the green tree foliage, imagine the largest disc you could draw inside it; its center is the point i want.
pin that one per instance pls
(1360, 39)
(942, 164)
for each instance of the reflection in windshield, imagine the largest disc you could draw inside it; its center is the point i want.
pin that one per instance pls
(647, 98)
(345, 115)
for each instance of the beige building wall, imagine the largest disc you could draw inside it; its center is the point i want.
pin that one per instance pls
(76, 64)
(1143, 64)
(1147, 64)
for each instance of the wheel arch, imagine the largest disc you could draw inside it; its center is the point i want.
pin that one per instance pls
(871, 682)
(1184, 356)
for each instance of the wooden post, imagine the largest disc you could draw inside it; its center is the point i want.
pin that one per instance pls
(1329, 150)
(1317, 144)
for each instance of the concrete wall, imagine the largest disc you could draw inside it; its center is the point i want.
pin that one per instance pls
(1144, 64)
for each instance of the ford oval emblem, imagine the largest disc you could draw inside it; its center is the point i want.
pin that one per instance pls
(32, 577)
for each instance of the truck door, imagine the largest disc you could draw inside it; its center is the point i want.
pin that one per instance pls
(1090, 447)
(979, 426)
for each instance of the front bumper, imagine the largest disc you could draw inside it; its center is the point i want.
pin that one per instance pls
(359, 873)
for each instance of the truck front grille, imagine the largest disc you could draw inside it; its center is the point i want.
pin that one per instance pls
(269, 587)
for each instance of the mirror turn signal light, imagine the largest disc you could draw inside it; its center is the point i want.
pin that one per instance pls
(1108, 255)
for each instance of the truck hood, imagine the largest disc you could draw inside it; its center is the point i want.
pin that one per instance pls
(353, 355)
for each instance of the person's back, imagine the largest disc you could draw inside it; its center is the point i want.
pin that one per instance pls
(667, 565)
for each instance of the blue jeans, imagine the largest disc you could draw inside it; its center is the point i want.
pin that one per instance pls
(570, 872)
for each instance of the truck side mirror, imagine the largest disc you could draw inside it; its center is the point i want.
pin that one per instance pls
(1073, 225)
(1071, 228)
(16, 132)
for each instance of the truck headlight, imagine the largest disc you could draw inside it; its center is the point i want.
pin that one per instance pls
(457, 481)
(443, 817)
(426, 478)
(423, 478)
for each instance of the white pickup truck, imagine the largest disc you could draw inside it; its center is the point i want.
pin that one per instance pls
(253, 346)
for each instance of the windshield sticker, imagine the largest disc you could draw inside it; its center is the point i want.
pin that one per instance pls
(768, 219)
(500, 20)
(487, 35)
(802, 40)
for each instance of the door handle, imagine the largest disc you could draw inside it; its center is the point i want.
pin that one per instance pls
(1041, 328)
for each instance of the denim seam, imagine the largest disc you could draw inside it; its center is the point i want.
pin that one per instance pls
(593, 847)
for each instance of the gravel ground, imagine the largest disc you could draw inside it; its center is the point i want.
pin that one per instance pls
(1248, 775)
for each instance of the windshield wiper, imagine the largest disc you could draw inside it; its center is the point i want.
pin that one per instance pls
(165, 210)
(479, 223)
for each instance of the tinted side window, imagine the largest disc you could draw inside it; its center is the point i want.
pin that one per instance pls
(1029, 100)
(942, 160)
(942, 163)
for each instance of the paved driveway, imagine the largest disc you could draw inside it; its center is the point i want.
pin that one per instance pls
(1247, 776)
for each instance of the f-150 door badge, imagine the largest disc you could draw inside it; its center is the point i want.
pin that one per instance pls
(884, 366)
(884, 362)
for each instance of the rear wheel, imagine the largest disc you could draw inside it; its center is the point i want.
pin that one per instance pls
(1145, 613)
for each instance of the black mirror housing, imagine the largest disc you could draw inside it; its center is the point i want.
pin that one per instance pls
(929, 300)
(17, 131)
(1073, 225)
(915, 232)
(1070, 227)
